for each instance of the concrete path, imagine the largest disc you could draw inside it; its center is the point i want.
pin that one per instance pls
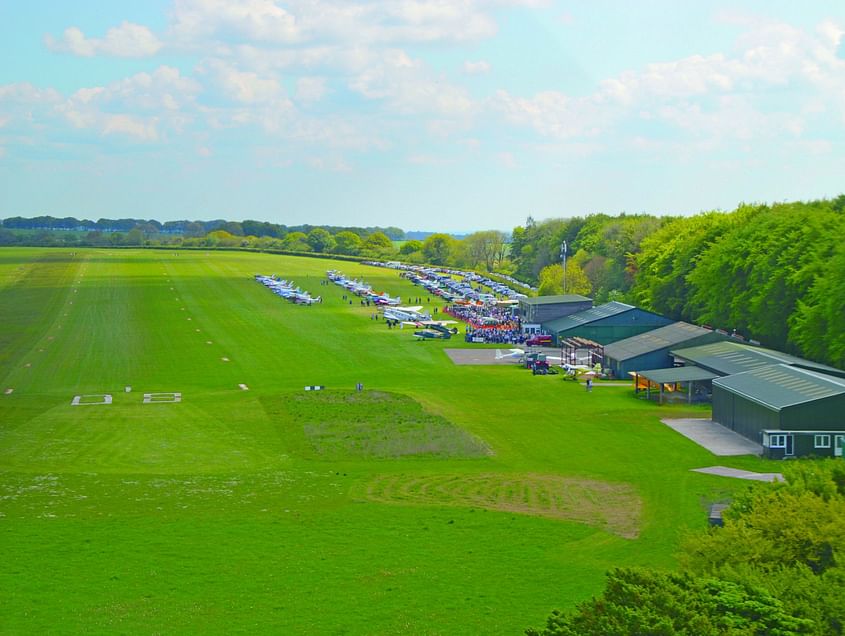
(714, 437)
(478, 356)
(724, 471)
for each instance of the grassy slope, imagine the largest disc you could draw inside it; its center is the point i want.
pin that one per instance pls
(203, 515)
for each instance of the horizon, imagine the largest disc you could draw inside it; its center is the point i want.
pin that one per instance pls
(468, 115)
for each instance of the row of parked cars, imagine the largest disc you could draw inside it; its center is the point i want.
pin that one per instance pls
(443, 282)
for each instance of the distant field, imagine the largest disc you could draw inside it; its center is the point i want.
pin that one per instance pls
(443, 500)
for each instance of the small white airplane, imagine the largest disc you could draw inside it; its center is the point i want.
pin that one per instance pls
(580, 370)
(510, 354)
(403, 314)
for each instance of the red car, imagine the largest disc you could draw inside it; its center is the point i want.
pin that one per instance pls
(544, 340)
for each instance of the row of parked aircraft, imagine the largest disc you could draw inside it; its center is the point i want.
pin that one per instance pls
(412, 316)
(286, 290)
(362, 289)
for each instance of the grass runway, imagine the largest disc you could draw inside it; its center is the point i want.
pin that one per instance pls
(454, 509)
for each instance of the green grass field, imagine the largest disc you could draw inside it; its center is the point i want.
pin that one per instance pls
(443, 500)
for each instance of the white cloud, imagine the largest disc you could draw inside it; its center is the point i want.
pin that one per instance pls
(253, 20)
(298, 21)
(408, 87)
(727, 97)
(243, 86)
(140, 106)
(310, 89)
(126, 40)
(476, 68)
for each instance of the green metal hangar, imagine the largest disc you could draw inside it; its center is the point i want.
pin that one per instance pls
(791, 406)
(605, 324)
(540, 309)
(650, 350)
(792, 411)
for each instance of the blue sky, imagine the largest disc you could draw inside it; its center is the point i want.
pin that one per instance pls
(449, 115)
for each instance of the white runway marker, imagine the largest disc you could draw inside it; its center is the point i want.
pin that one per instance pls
(208, 342)
(244, 387)
(9, 391)
(28, 364)
(77, 399)
(225, 359)
(162, 398)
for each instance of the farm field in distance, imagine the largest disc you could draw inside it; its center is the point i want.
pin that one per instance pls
(445, 499)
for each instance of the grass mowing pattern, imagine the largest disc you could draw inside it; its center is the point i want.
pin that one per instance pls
(613, 507)
(215, 514)
(375, 424)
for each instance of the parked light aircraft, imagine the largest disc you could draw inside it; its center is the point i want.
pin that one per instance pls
(403, 314)
(386, 300)
(510, 354)
(576, 371)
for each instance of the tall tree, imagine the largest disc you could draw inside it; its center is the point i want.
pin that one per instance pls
(438, 248)
(347, 242)
(320, 240)
(552, 280)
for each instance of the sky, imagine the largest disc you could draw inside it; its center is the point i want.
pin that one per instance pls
(452, 115)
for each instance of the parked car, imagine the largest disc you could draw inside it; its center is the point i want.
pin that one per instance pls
(540, 340)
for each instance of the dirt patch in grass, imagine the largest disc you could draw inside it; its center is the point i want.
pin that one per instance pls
(613, 507)
(374, 424)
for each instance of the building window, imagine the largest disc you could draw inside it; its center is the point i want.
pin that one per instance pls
(777, 441)
(821, 441)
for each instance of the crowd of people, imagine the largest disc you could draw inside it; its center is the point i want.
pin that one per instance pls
(488, 324)
(503, 334)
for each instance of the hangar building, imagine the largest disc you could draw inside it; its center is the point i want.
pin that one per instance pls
(730, 357)
(650, 350)
(541, 309)
(606, 323)
(790, 410)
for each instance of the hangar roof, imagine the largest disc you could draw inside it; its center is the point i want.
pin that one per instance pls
(660, 338)
(554, 300)
(778, 386)
(728, 358)
(579, 318)
(676, 374)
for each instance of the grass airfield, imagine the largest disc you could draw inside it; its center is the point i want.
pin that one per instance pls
(451, 499)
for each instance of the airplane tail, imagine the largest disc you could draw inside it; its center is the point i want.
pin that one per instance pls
(499, 354)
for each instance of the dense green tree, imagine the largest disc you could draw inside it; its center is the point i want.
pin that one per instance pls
(438, 248)
(552, 280)
(321, 241)
(295, 242)
(347, 242)
(817, 327)
(774, 568)
(378, 244)
(647, 602)
(484, 249)
(409, 247)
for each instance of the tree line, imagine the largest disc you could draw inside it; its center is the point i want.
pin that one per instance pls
(776, 567)
(775, 273)
(184, 228)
